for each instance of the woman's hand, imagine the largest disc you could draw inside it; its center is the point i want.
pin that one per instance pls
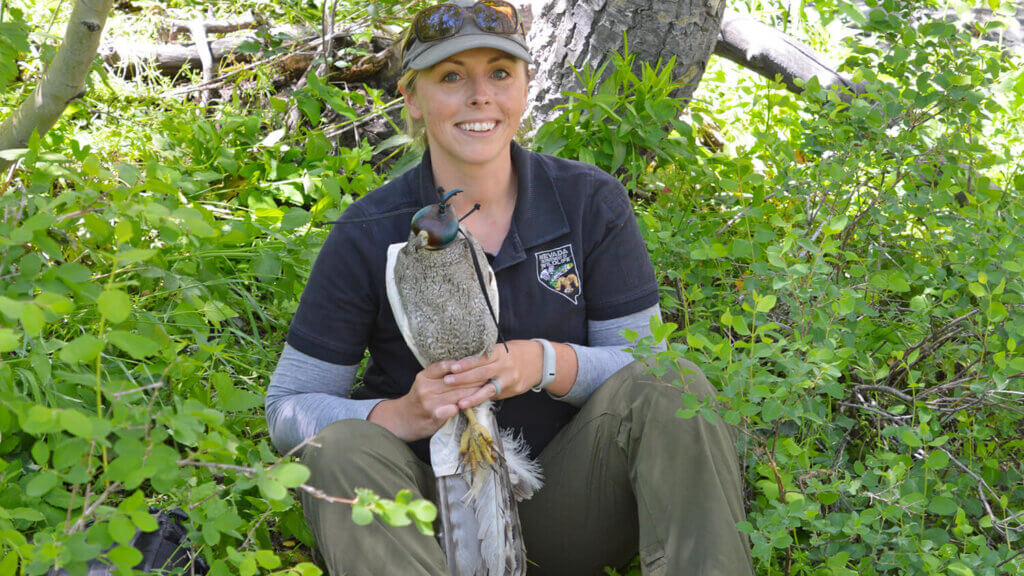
(429, 403)
(517, 371)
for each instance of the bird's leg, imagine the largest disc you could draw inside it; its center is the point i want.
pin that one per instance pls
(477, 447)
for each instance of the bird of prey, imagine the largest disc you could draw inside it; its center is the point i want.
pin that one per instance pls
(444, 298)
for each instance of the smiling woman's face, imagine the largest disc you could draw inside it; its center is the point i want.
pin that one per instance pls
(471, 105)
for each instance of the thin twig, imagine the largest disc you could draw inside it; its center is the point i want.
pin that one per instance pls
(139, 389)
(741, 213)
(887, 389)
(317, 493)
(113, 487)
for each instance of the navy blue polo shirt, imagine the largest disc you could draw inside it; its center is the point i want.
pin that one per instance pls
(573, 253)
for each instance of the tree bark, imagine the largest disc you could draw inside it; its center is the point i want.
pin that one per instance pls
(63, 81)
(575, 33)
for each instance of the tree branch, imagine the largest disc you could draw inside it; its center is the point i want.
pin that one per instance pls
(769, 52)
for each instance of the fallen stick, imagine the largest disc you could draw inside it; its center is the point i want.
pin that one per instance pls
(245, 22)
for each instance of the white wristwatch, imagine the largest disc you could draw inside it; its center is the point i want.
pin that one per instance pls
(548, 367)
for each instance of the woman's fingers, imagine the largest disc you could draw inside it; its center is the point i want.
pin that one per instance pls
(473, 362)
(446, 403)
(486, 392)
(473, 377)
(437, 370)
(444, 412)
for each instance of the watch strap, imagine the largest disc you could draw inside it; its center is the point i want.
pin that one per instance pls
(548, 366)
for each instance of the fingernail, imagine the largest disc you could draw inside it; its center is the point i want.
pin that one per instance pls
(456, 367)
(449, 379)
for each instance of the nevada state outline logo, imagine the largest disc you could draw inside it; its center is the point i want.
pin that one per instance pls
(557, 271)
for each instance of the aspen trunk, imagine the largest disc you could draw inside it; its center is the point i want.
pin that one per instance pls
(63, 81)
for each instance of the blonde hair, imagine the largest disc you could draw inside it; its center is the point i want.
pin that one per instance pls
(414, 128)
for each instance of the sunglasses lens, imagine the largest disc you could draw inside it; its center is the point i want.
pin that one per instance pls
(495, 16)
(438, 22)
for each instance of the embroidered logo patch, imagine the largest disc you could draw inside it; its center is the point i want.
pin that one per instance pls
(556, 270)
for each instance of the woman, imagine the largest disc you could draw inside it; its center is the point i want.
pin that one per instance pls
(622, 474)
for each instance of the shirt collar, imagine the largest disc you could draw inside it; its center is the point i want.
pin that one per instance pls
(538, 215)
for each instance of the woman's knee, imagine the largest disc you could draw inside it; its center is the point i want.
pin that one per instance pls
(646, 383)
(351, 443)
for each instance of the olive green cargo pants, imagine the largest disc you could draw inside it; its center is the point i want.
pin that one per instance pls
(624, 476)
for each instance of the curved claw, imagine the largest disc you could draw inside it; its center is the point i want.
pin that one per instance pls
(476, 446)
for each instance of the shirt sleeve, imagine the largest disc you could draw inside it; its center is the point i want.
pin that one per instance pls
(608, 353)
(306, 394)
(339, 304)
(618, 273)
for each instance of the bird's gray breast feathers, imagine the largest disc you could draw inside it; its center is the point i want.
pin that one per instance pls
(443, 300)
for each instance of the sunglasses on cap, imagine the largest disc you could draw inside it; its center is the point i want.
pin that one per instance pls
(446, 20)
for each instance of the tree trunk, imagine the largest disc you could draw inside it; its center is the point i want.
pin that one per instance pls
(575, 33)
(63, 81)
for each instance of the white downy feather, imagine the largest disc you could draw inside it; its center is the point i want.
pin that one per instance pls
(524, 474)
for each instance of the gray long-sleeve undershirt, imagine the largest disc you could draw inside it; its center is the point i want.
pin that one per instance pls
(306, 394)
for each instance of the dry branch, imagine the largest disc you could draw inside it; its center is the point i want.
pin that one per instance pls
(770, 52)
(247, 21)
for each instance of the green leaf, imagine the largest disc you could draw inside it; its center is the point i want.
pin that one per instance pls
(82, 349)
(32, 319)
(959, 569)
(423, 510)
(143, 520)
(937, 460)
(41, 452)
(194, 220)
(271, 488)
(40, 484)
(137, 346)
(771, 410)
(394, 514)
(942, 505)
(55, 303)
(38, 420)
(291, 474)
(134, 255)
(27, 514)
(850, 11)
(125, 558)
(846, 303)
(75, 422)
(766, 303)
(910, 438)
(10, 307)
(267, 559)
(996, 311)
(361, 515)
(9, 563)
(121, 529)
(9, 340)
(294, 218)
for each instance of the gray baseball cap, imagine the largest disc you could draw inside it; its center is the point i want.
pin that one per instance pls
(421, 55)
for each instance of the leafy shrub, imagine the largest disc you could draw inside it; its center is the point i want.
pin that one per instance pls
(852, 281)
(141, 313)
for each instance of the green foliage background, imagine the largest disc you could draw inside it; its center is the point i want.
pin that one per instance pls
(848, 273)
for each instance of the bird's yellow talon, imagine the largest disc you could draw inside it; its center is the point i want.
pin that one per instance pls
(476, 446)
